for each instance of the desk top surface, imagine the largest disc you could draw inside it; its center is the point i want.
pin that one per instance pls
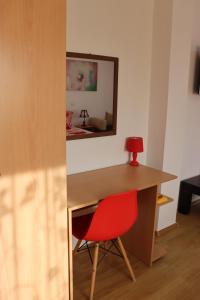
(87, 188)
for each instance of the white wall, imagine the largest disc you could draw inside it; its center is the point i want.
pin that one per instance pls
(169, 122)
(122, 29)
(174, 135)
(97, 102)
(191, 154)
(159, 82)
(182, 24)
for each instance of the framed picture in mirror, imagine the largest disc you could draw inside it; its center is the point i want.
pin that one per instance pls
(91, 88)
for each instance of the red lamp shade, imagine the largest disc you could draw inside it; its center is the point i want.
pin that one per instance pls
(134, 145)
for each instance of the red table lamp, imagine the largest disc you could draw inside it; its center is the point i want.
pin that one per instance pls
(134, 145)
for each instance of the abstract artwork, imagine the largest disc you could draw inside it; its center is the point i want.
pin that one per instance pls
(81, 75)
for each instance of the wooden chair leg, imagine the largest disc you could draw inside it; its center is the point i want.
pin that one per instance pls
(77, 247)
(94, 270)
(122, 249)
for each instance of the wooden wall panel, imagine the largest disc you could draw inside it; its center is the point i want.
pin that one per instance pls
(33, 213)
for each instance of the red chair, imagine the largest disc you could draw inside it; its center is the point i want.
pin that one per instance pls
(113, 217)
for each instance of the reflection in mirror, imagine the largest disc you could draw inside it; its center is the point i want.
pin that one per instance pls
(91, 95)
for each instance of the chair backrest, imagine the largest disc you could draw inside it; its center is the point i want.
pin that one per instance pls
(113, 217)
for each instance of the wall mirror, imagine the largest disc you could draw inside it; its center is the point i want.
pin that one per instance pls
(92, 84)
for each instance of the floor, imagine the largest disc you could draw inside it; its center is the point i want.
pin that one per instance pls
(177, 276)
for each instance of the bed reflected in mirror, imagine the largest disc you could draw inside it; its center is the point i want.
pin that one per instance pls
(92, 82)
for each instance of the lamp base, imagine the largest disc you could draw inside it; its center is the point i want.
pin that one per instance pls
(134, 163)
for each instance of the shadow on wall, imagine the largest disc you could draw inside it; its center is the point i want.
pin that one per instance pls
(33, 236)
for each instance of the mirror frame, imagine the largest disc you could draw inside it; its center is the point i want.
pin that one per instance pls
(115, 93)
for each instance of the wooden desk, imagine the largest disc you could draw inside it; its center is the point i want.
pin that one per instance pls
(87, 188)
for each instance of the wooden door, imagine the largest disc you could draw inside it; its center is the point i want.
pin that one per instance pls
(33, 202)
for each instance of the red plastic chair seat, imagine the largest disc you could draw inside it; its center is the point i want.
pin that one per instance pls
(113, 217)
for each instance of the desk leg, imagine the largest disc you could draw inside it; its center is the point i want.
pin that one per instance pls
(140, 239)
(70, 254)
